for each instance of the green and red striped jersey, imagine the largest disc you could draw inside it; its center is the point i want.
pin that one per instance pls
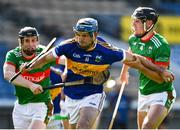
(157, 50)
(39, 76)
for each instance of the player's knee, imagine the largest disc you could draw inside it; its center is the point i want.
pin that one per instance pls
(148, 125)
(84, 125)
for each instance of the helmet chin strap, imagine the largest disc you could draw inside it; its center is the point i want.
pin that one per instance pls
(146, 30)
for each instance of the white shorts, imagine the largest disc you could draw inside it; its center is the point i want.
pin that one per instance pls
(63, 111)
(73, 105)
(24, 114)
(165, 99)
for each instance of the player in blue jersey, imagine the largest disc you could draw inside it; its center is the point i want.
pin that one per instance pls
(88, 58)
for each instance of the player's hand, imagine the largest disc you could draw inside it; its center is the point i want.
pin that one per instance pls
(63, 76)
(135, 63)
(23, 67)
(167, 76)
(36, 88)
(124, 78)
(32, 66)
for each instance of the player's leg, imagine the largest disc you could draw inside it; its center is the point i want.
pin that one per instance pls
(37, 124)
(20, 120)
(160, 105)
(71, 109)
(64, 112)
(140, 118)
(73, 126)
(142, 109)
(155, 116)
(76, 108)
(87, 117)
(40, 112)
(97, 121)
(66, 124)
(90, 108)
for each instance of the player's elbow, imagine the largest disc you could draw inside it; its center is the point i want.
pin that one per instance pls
(7, 76)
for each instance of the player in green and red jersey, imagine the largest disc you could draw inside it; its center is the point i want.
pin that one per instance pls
(155, 97)
(33, 105)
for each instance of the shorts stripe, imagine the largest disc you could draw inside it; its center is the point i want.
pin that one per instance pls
(101, 101)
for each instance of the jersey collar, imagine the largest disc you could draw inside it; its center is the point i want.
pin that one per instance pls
(29, 58)
(148, 38)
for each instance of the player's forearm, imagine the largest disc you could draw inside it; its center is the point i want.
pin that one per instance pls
(124, 76)
(150, 65)
(151, 74)
(44, 59)
(124, 69)
(19, 81)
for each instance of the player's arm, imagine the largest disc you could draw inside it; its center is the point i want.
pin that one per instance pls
(160, 69)
(64, 74)
(9, 72)
(124, 75)
(149, 69)
(135, 62)
(62, 61)
(44, 59)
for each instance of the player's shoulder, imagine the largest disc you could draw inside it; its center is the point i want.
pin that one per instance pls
(159, 41)
(68, 41)
(16, 51)
(103, 43)
(100, 39)
(160, 38)
(132, 37)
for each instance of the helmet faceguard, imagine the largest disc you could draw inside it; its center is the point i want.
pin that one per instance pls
(144, 14)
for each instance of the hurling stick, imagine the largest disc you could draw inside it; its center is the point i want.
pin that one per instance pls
(117, 105)
(65, 84)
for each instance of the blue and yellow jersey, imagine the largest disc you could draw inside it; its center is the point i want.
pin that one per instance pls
(82, 63)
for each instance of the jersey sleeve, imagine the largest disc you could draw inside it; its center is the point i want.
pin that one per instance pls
(118, 55)
(60, 49)
(115, 54)
(10, 58)
(162, 56)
